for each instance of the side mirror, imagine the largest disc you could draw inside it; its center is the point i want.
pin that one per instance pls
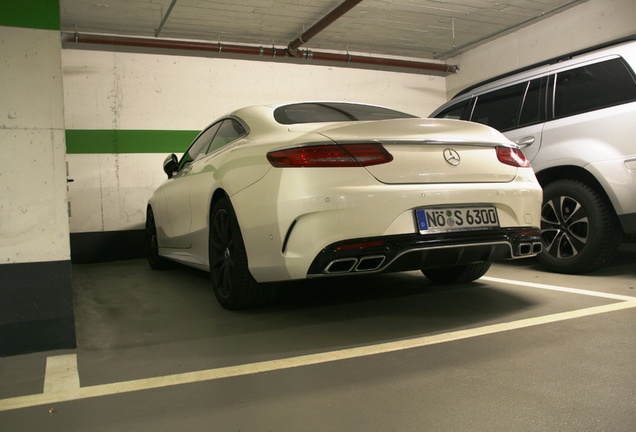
(171, 165)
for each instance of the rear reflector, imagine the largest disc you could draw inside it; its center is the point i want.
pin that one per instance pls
(512, 156)
(330, 155)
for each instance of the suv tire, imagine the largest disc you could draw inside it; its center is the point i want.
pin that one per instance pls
(579, 229)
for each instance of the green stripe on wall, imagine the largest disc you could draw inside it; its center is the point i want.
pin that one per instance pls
(36, 14)
(82, 141)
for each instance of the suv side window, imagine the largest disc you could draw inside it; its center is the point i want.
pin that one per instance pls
(533, 108)
(592, 87)
(500, 108)
(459, 111)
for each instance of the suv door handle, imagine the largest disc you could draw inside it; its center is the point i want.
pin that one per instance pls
(525, 141)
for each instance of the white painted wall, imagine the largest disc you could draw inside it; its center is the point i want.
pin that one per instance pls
(582, 26)
(33, 208)
(115, 90)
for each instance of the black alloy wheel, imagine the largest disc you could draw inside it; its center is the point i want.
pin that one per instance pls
(579, 230)
(233, 284)
(155, 261)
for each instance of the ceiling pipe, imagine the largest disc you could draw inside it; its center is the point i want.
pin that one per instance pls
(381, 62)
(75, 38)
(326, 21)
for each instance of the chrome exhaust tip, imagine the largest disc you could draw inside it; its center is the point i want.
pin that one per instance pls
(370, 263)
(524, 249)
(344, 265)
(529, 249)
(353, 264)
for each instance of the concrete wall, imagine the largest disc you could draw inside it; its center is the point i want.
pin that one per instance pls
(36, 308)
(33, 177)
(579, 27)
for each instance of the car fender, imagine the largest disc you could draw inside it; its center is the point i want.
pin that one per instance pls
(234, 170)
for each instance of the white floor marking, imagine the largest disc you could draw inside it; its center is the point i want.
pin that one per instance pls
(62, 384)
(61, 374)
(558, 288)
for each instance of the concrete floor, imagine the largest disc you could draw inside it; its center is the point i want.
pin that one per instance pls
(519, 350)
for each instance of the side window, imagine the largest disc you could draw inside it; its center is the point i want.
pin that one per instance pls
(591, 87)
(229, 130)
(533, 109)
(199, 145)
(459, 111)
(500, 108)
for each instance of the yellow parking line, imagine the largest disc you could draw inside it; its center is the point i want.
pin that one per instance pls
(70, 391)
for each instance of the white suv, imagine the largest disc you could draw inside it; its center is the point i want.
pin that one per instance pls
(575, 119)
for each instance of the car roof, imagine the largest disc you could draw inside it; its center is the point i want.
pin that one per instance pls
(272, 106)
(267, 110)
(261, 118)
(549, 62)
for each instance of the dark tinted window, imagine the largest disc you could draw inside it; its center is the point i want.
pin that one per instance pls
(533, 109)
(459, 111)
(333, 112)
(592, 87)
(199, 145)
(230, 130)
(500, 109)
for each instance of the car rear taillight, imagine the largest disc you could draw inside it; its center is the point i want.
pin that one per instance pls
(330, 155)
(512, 156)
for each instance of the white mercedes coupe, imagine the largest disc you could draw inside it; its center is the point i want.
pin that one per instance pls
(320, 189)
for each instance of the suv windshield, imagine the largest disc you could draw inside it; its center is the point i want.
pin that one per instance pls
(333, 112)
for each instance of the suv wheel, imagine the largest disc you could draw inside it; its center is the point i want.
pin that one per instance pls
(579, 229)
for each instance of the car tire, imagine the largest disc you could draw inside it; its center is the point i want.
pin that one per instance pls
(579, 229)
(233, 284)
(155, 261)
(457, 274)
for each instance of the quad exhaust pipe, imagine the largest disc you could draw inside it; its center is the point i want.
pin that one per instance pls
(528, 249)
(374, 262)
(355, 265)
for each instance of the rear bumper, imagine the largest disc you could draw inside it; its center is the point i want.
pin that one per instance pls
(415, 252)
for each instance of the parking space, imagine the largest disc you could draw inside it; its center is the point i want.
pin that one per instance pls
(520, 349)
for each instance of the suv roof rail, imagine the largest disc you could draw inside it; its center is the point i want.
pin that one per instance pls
(550, 61)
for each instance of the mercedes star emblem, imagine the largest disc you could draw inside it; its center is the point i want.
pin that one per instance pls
(451, 156)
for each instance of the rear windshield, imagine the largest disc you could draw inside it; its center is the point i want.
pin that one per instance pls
(333, 112)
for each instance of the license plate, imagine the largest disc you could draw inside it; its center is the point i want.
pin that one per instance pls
(455, 218)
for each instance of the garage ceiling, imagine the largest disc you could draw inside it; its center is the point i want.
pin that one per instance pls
(417, 29)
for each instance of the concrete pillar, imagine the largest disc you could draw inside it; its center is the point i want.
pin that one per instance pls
(36, 299)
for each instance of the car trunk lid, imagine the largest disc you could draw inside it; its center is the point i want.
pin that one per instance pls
(430, 150)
